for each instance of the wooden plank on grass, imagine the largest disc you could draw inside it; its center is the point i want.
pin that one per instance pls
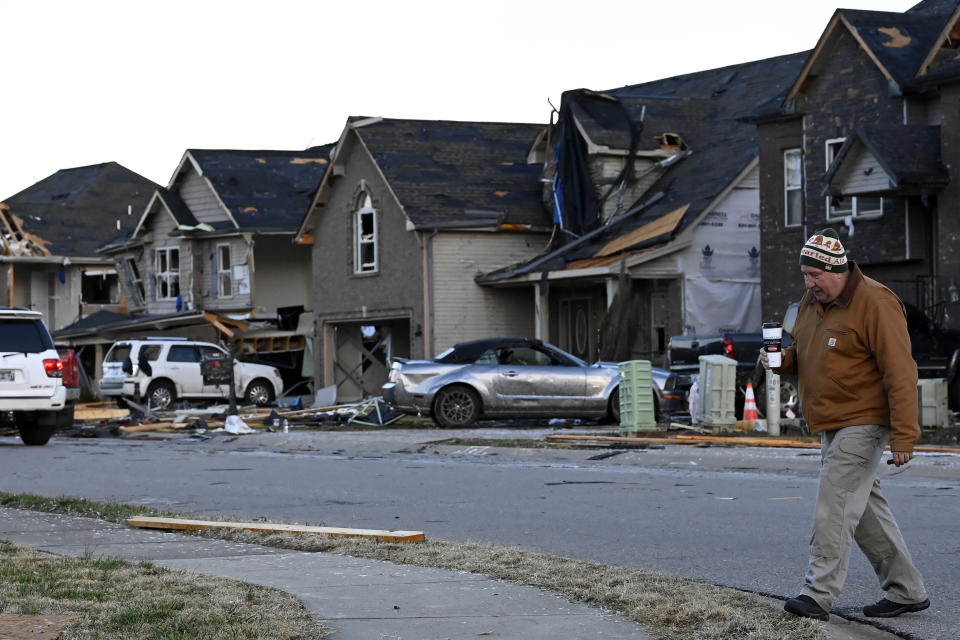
(197, 525)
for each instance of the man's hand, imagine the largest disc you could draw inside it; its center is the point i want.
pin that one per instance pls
(764, 360)
(901, 457)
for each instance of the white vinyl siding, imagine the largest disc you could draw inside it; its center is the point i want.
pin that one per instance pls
(792, 187)
(851, 205)
(464, 310)
(862, 174)
(200, 199)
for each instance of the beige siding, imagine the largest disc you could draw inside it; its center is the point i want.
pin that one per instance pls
(200, 199)
(282, 275)
(465, 311)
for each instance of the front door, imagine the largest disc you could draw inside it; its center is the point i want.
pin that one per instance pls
(575, 327)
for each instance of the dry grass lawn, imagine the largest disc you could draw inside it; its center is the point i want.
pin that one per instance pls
(671, 608)
(118, 600)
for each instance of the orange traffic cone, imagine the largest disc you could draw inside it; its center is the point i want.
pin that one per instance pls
(750, 405)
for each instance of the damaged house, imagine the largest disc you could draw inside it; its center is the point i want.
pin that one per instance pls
(49, 235)
(863, 141)
(210, 256)
(655, 194)
(409, 214)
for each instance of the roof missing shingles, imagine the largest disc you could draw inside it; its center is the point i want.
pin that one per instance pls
(897, 40)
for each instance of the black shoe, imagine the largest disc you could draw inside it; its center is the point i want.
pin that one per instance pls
(888, 609)
(806, 607)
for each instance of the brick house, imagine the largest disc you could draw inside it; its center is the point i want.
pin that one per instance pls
(866, 141)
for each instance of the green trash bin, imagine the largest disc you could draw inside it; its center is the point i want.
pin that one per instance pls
(636, 397)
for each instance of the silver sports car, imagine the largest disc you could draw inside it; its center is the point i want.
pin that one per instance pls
(506, 378)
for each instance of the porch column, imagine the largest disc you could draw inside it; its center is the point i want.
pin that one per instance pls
(541, 306)
(612, 287)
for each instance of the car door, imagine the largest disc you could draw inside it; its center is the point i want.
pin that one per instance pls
(531, 381)
(208, 352)
(183, 367)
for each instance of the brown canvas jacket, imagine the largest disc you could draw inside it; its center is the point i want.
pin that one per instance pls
(853, 361)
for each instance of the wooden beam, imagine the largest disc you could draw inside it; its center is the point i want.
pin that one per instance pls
(266, 527)
(214, 320)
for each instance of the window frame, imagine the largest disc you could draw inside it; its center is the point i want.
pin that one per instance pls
(168, 278)
(789, 187)
(136, 281)
(224, 274)
(365, 210)
(831, 148)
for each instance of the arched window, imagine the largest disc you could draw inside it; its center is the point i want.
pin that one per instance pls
(365, 235)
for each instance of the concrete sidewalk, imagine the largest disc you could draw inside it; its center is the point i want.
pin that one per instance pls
(359, 598)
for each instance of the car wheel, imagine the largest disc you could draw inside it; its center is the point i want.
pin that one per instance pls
(789, 397)
(613, 407)
(456, 406)
(161, 395)
(35, 435)
(260, 393)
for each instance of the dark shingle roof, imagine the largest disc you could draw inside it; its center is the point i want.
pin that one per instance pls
(446, 172)
(265, 190)
(709, 111)
(934, 7)
(900, 41)
(76, 210)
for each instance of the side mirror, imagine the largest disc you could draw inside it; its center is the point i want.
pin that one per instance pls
(790, 317)
(127, 366)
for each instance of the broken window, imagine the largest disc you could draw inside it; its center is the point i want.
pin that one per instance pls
(134, 282)
(793, 187)
(168, 273)
(365, 235)
(224, 272)
(99, 286)
(849, 206)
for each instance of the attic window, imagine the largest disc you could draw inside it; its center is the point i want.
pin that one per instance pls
(365, 236)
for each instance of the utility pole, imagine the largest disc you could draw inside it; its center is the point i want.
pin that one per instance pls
(772, 385)
(232, 411)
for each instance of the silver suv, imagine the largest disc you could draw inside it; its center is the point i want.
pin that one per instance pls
(158, 371)
(32, 392)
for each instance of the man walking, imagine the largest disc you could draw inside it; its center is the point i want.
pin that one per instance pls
(858, 389)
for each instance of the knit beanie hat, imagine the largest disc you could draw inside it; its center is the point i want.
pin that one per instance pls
(824, 251)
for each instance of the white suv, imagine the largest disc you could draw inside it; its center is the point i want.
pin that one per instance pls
(158, 371)
(32, 393)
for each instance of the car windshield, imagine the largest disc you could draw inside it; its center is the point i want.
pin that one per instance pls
(24, 336)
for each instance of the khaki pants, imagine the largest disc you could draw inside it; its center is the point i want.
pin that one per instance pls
(851, 507)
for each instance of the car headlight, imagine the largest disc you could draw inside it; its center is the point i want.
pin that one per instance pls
(394, 375)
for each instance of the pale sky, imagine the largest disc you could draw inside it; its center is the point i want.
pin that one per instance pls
(140, 81)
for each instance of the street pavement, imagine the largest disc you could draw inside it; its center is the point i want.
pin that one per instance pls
(359, 598)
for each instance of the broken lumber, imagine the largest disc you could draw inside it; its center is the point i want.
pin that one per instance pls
(690, 439)
(95, 413)
(181, 524)
(153, 426)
